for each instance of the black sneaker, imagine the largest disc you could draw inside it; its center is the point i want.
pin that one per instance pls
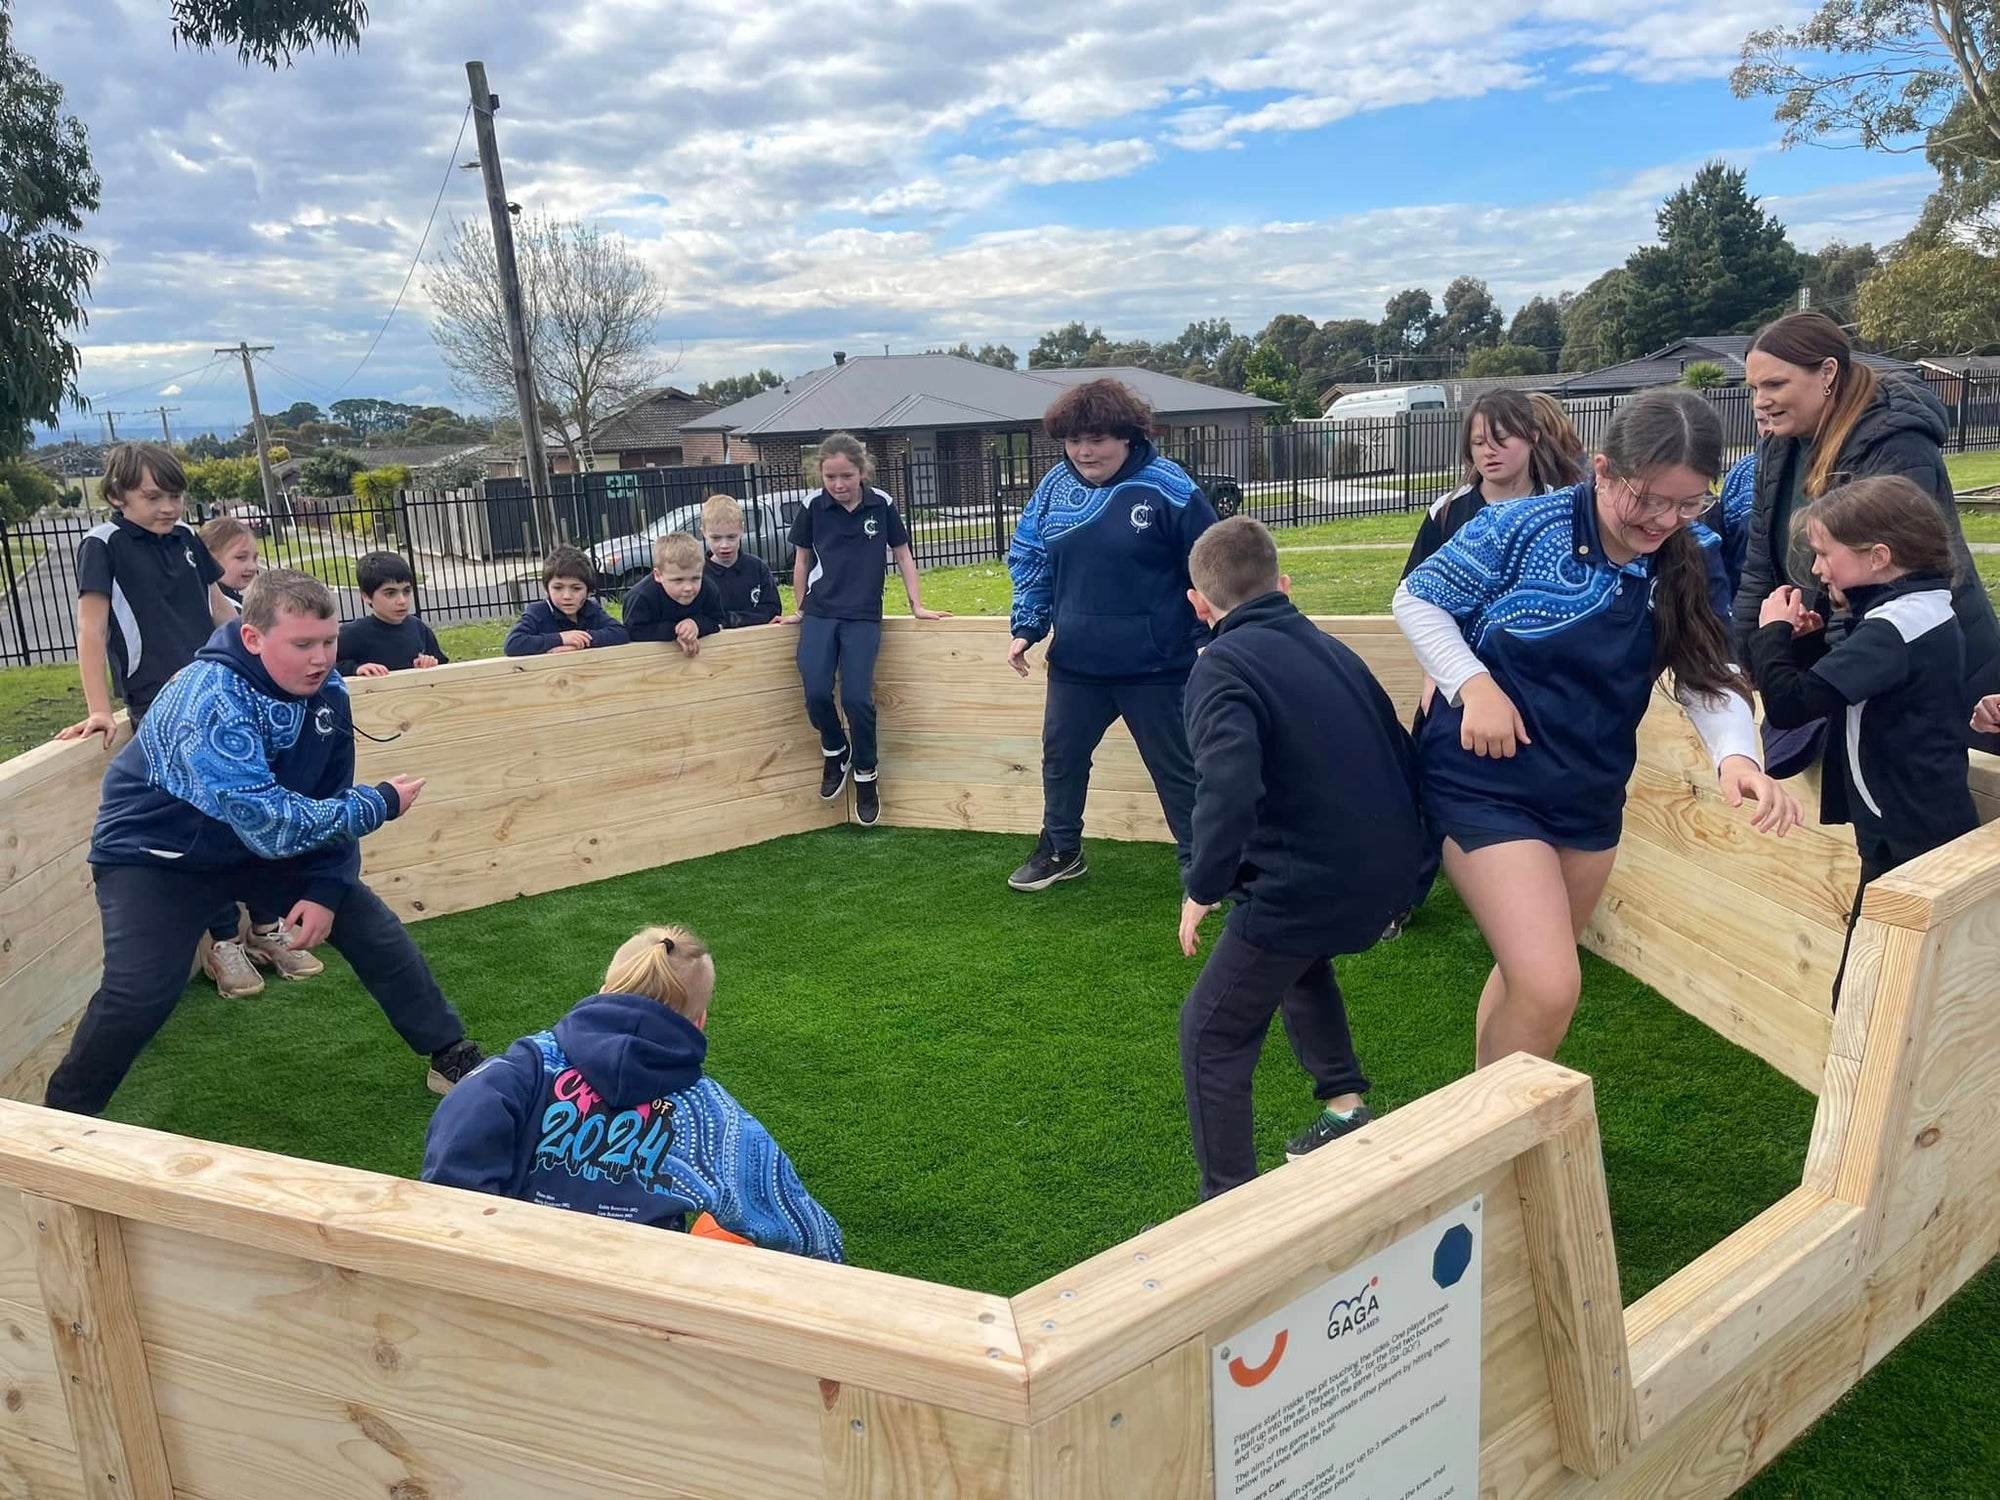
(834, 777)
(1396, 925)
(450, 1065)
(1045, 867)
(1324, 1128)
(867, 801)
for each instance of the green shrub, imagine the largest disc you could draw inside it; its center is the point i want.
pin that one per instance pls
(331, 471)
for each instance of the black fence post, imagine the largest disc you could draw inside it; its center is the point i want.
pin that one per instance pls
(1964, 406)
(14, 594)
(999, 509)
(409, 548)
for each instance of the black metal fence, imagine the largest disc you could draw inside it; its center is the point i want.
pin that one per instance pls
(477, 553)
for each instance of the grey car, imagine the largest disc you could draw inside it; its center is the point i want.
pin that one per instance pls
(767, 530)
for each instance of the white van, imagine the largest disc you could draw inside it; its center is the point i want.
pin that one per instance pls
(1386, 401)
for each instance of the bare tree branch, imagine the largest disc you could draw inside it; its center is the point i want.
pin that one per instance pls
(591, 307)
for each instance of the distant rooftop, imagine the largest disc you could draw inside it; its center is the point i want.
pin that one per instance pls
(912, 392)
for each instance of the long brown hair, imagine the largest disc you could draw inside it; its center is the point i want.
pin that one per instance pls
(1561, 435)
(1509, 414)
(1660, 430)
(1890, 511)
(1809, 340)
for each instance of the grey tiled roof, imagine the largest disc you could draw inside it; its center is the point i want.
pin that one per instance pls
(908, 392)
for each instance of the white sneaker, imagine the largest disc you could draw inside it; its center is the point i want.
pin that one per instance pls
(273, 950)
(229, 965)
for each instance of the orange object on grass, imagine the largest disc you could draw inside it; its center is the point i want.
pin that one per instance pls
(706, 1228)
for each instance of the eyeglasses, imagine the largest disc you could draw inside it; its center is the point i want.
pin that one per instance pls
(1650, 509)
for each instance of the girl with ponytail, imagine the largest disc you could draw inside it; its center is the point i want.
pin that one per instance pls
(608, 1112)
(1545, 624)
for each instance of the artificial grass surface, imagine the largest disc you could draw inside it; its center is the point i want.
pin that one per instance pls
(984, 1087)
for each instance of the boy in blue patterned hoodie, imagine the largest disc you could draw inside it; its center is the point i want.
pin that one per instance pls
(607, 1113)
(240, 786)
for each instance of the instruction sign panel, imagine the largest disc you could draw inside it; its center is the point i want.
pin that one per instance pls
(1367, 1387)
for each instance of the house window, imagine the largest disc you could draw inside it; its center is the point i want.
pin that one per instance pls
(1013, 449)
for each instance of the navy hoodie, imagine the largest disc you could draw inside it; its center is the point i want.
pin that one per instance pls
(539, 630)
(1105, 568)
(1305, 808)
(608, 1113)
(228, 769)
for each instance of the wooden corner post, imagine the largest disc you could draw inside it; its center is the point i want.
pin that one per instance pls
(80, 1263)
(1567, 1219)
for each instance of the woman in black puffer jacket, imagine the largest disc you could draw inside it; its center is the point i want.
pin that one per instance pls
(1829, 419)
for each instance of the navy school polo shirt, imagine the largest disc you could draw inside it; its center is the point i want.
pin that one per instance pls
(850, 553)
(158, 588)
(1568, 636)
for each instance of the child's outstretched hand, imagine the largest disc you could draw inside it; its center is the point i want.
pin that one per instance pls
(1777, 809)
(376, 669)
(917, 611)
(1986, 714)
(425, 660)
(1192, 911)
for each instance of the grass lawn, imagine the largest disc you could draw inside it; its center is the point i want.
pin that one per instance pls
(1971, 471)
(21, 554)
(983, 1097)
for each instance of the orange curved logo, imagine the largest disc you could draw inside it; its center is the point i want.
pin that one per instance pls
(1249, 1375)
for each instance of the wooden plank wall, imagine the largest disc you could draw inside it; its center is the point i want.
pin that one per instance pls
(546, 772)
(51, 947)
(289, 1327)
(961, 733)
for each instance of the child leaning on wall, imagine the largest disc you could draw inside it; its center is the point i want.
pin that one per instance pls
(608, 1112)
(391, 637)
(675, 602)
(749, 591)
(566, 618)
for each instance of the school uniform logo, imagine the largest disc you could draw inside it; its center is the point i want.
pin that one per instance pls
(868, 527)
(757, 594)
(1142, 516)
(323, 723)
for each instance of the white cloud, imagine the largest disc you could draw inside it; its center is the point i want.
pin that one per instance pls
(172, 389)
(1078, 161)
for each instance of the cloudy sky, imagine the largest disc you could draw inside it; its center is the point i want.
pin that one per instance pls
(818, 174)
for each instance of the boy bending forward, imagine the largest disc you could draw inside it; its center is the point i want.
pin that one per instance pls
(1305, 816)
(240, 785)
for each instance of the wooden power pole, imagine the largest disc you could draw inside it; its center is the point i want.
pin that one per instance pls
(166, 433)
(540, 494)
(244, 351)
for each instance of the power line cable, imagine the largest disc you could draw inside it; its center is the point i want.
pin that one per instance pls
(450, 166)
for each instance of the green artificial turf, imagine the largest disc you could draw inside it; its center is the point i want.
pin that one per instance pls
(984, 1087)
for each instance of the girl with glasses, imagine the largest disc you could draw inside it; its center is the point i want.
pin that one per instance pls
(1545, 624)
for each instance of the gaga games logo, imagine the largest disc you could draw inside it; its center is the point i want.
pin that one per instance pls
(1356, 1314)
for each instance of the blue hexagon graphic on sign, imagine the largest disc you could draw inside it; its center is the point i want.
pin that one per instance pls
(1453, 1255)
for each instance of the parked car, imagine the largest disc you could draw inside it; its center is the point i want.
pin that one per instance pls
(255, 517)
(767, 531)
(1223, 492)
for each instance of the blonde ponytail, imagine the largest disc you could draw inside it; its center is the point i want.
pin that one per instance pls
(667, 964)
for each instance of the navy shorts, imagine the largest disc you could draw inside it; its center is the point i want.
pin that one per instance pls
(1474, 827)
